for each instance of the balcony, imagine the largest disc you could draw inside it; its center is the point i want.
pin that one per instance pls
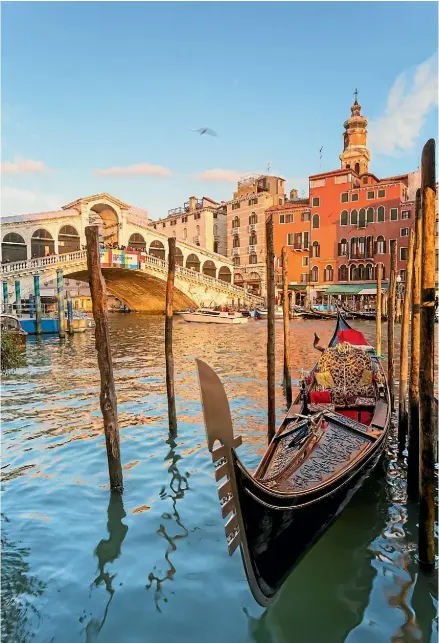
(235, 252)
(196, 240)
(251, 249)
(252, 227)
(304, 279)
(298, 246)
(235, 230)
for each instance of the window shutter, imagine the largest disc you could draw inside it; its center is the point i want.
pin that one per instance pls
(384, 246)
(375, 247)
(339, 249)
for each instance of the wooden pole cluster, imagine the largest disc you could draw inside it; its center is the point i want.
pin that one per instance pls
(391, 325)
(404, 348)
(169, 357)
(378, 310)
(286, 311)
(413, 446)
(271, 373)
(426, 370)
(108, 399)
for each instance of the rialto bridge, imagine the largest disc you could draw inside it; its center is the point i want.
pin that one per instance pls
(136, 274)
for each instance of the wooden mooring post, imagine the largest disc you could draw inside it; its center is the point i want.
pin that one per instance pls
(286, 311)
(271, 342)
(404, 349)
(426, 369)
(69, 315)
(378, 310)
(38, 311)
(391, 325)
(102, 339)
(18, 297)
(5, 297)
(60, 293)
(413, 438)
(169, 356)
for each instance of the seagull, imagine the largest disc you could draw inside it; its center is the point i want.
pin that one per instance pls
(205, 130)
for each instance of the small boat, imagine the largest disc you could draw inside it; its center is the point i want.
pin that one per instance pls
(11, 327)
(328, 443)
(262, 313)
(356, 314)
(208, 316)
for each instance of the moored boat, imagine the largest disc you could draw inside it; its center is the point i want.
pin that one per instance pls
(11, 327)
(208, 316)
(331, 438)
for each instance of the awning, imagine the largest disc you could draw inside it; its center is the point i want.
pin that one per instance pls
(354, 289)
(297, 287)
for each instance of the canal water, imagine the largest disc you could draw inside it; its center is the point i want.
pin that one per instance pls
(79, 565)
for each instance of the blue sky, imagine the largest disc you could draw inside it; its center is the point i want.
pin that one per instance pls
(92, 86)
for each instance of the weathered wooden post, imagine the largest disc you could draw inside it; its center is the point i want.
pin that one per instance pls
(108, 399)
(286, 311)
(378, 310)
(169, 357)
(404, 349)
(271, 373)
(60, 293)
(426, 369)
(38, 312)
(69, 315)
(413, 448)
(391, 324)
(5, 297)
(18, 297)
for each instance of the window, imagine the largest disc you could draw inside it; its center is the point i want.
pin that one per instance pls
(370, 194)
(369, 272)
(236, 206)
(405, 214)
(316, 249)
(306, 216)
(343, 273)
(236, 241)
(235, 261)
(354, 217)
(235, 222)
(253, 240)
(381, 194)
(290, 218)
(354, 247)
(303, 277)
(281, 201)
(393, 214)
(281, 218)
(362, 218)
(404, 232)
(315, 221)
(403, 254)
(163, 225)
(344, 197)
(315, 274)
(402, 274)
(298, 240)
(184, 233)
(344, 218)
(253, 258)
(343, 248)
(369, 215)
(306, 240)
(315, 201)
(253, 218)
(305, 262)
(317, 183)
(198, 230)
(253, 200)
(328, 273)
(215, 230)
(290, 239)
(354, 196)
(366, 180)
(380, 214)
(354, 273)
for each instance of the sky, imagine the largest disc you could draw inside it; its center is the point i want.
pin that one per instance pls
(102, 96)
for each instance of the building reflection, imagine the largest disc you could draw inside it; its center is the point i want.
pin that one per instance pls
(178, 485)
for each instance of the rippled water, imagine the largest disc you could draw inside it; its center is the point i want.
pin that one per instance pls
(80, 565)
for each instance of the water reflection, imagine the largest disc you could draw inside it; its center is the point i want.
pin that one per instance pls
(178, 485)
(107, 551)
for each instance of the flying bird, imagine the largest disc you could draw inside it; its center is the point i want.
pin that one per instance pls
(205, 130)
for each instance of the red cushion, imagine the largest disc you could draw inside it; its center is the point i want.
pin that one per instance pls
(353, 414)
(365, 417)
(353, 337)
(320, 397)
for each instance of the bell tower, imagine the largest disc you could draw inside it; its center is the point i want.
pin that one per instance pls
(355, 154)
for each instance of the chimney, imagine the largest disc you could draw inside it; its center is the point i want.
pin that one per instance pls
(192, 203)
(294, 195)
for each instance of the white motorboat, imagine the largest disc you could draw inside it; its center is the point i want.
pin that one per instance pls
(207, 316)
(262, 313)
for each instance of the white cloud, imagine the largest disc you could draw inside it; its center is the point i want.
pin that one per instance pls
(408, 106)
(220, 176)
(24, 166)
(19, 201)
(141, 169)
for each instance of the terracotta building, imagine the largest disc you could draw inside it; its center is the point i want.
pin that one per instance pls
(246, 227)
(198, 221)
(346, 224)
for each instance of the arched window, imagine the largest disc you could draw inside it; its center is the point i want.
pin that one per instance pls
(369, 247)
(136, 242)
(235, 261)
(361, 272)
(315, 221)
(354, 275)
(215, 230)
(380, 245)
(13, 248)
(235, 222)
(42, 244)
(357, 168)
(157, 249)
(354, 247)
(381, 214)
(253, 218)
(193, 263)
(343, 248)
(238, 279)
(178, 256)
(198, 230)
(224, 274)
(316, 249)
(354, 217)
(369, 215)
(315, 274)
(68, 239)
(215, 246)
(253, 258)
(236, 241)
(185, 233)
(252, 240)
(369, 272)
(328, 273)
(362, 218)
(344, 218)
(209, 268)
(343, 273)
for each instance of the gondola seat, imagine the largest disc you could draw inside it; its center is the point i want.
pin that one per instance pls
(347, 373)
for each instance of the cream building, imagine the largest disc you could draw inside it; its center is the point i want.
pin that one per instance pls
(246, 228)
(198, 221)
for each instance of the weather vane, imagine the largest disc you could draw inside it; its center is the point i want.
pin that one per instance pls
(320, 152)
(268, 167)
(356, 95)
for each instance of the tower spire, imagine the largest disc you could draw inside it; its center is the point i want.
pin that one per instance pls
(355, 155)
(356, 95)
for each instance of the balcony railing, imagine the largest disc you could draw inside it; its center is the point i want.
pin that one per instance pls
(252, 227)
(235, 230)
(251, 249)
(196, 240)
(235, 252)
(298, 246)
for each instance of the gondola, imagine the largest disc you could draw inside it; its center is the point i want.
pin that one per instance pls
(356, 314)
(328, 443)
